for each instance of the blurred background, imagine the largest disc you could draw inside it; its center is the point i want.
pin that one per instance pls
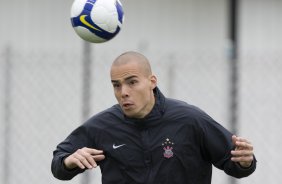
(47, 91)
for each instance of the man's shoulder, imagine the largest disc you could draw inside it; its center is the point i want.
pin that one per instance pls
(105, 117)
(115, 110)
(180, 111)
(181, 107)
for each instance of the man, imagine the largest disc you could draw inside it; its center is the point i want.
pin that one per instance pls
(150, 139)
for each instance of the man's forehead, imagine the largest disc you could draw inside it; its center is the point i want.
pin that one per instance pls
(123, 72)
(130, 64)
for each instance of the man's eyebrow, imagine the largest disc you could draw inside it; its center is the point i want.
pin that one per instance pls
(126, 79)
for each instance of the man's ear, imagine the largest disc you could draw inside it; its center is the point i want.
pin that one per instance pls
(154, 81)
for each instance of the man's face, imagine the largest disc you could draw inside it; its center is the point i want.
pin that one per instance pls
(133, 89)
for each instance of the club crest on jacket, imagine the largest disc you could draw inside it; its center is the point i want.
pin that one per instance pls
(167, 146)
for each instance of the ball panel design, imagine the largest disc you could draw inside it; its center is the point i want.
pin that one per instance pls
(101, 18)
(77, 7)
(85, 34)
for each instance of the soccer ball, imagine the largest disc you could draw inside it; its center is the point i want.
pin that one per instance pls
(97, 21)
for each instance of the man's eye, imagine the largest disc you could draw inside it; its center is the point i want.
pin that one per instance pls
(132, 82)
(116, 85)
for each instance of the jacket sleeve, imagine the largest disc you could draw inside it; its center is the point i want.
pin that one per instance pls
(234, 169)
(216, 143)
(76, 140)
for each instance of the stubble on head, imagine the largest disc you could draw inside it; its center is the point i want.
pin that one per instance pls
(132, 57)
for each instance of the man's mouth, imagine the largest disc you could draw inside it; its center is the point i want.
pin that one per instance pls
(127, 105)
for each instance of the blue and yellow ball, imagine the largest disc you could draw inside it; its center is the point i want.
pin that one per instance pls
(97, 21)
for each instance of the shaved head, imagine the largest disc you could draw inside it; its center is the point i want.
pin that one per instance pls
(136, 58)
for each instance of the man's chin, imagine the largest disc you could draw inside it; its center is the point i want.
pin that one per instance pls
(131, 114)
(128, 114)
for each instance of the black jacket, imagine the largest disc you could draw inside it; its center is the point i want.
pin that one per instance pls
(176, 143)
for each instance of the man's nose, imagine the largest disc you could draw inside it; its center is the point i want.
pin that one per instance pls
(124, 91)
